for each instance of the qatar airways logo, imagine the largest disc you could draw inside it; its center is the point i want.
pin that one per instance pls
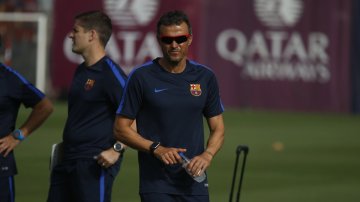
(131, 13)
(278, 13)
(277, 53)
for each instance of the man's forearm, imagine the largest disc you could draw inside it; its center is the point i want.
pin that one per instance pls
(38, 115)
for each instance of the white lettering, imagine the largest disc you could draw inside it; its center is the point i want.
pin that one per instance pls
(149, 48)
(295, 48)
(123, 49)
(129, 40)
(276, 43)
(239, 45)
(277, 55)
(270, 70)
(318, 42)
(257, 46)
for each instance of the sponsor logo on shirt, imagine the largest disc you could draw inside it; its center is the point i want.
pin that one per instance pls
(195, 89)
(89, 84)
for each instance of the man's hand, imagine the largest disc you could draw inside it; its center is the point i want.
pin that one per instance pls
(169, 155)
(199, 164)
(7, 144)
(107, 158)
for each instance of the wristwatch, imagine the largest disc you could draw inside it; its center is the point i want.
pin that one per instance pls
(154, 146)
(18, 134)
(118, 147)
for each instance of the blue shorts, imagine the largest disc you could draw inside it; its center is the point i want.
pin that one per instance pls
(156, 197)
(82, 180)
(7, 189)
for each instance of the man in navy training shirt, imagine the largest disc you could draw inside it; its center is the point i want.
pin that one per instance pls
(92, 156)
(14, 91)
(169, 97)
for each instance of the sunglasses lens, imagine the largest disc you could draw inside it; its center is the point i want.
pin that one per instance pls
(167, 40)
(181, 39)
(178, 39)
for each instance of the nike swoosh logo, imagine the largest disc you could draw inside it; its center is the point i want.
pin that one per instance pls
(159, 90)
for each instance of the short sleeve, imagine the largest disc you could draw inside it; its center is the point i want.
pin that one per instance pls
(24, 91)
(132, 98)
(213, 105)
(115, 84)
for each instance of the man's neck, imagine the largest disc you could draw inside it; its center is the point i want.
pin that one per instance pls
(93, 56)
(174, 68)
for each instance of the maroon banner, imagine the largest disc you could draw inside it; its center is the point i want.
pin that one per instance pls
(133, 41)
(280, 54)
(268, 54)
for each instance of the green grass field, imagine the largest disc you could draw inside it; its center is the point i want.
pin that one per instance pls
(320, 159)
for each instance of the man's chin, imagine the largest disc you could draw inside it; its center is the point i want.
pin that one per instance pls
(75, 51)
(174, 63)
(174, 60)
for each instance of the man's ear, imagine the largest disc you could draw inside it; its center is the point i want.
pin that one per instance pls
(189, 40)
(93, 34)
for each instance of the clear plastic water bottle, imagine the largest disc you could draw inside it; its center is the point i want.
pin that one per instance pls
(185, 162)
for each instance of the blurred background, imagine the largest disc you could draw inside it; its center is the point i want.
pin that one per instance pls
(288, 71)
(297, 55)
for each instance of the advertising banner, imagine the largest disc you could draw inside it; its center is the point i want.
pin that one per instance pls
(133, 41)
(280, 54)
(267, 54)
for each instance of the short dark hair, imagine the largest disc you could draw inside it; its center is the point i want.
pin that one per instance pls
(175, 17)
(98, 21)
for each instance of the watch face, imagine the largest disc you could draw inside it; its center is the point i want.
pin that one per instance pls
(155, 145)
(16, 134)
(117, 147)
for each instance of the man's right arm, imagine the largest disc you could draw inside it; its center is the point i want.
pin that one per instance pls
(125, 133)
(128, 135)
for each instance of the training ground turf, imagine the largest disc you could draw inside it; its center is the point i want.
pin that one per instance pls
(294, 157)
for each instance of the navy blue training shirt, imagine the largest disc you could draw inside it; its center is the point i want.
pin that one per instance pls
(169, 108)
(14, 91)
(94, 96)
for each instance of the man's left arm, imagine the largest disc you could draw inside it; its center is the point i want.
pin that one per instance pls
(40, 112)
(115, 87)
(216, 139)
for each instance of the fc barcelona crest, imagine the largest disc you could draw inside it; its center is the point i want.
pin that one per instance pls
(89, 84)
(195, 89)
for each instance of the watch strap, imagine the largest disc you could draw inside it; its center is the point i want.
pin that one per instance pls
(18, 134)
(153, 147)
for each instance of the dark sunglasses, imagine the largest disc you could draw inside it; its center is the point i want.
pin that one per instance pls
(178, 39)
